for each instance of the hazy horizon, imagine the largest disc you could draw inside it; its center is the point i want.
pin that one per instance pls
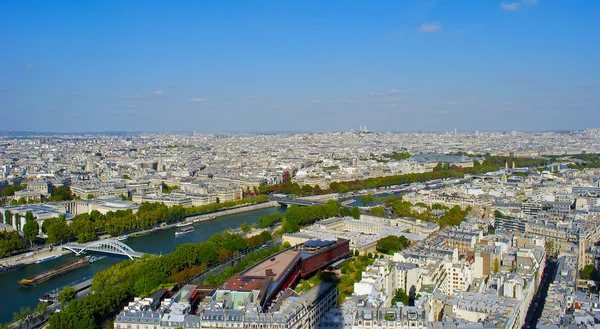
(310, 66)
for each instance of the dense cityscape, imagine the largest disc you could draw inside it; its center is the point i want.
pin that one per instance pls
(377, 230)
(413, 164)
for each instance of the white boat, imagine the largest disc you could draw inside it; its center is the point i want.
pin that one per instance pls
(49, 258)
(184, 231)
(123, 237)
(183, 224)
(203, 219)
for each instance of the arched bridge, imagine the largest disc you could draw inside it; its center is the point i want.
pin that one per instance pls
(291, 201)
(108, 246)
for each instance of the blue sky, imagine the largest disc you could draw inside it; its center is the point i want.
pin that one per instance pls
(264, 66)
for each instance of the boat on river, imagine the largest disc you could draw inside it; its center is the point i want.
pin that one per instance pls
(204, 218)
(10, 268)
(57, 271)
(184, 231)
(47, 259)
(184, 224)
(123, 237)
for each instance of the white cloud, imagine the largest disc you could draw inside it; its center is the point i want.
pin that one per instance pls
(155, 95)
(510, 6)
(374, 94)
(29, 66)
(431, 27)
(530, 2)
(395, 91)
(453, 103)
(197, 100)
(315, 101)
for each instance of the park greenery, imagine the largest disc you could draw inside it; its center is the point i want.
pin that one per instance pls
(582, 161)
(11, 189)
(452, 217)
(353, 212)
(10, 242)
(269, 220)
(441, 171)
(66, 295)
(60, 193)
(589, 272)
(391, 244)
(379, 211)
(397, 155)
(296, 217)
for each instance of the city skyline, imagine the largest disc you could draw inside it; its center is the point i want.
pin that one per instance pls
(429, 66)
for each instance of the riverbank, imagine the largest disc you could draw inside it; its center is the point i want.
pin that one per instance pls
(237, 210)
(32, 257)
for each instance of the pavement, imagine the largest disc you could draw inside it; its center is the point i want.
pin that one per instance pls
(32, 256)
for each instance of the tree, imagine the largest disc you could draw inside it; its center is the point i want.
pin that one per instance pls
(390, 244)
(90, 196)
(589, 272)
(402, 297)
(496, 265)
(7, 217)
(66, 295)
(266, 235)
(355, 212)
(11, 189)
(30, 230)
(60, 193)
(245, 227)
(29, 216)
(21, 201)
(58, 230)
(17, 221)
(379, 211)
(356, 253)
(366, 199)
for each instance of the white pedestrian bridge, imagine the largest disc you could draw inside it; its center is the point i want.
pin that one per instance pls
(107, 246)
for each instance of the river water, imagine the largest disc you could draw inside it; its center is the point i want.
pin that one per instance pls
(14, 297)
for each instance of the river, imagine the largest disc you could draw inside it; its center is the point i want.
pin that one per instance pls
(14, 297)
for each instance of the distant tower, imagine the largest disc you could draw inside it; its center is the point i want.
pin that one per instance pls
(159, 165)
(506, 166)
(195, 133)
(514, 165)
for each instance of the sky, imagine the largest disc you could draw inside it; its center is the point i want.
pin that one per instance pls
(299, 66)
